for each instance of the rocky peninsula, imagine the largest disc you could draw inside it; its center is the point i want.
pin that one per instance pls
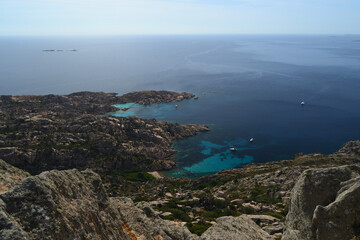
(67, 173)
(39, 133)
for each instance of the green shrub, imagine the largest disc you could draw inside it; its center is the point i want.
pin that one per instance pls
(198, 228)
(214, 214)
(171, 218)
(211, 183)
(259, 194)
(177, 212)
(135, 175)
(246, 210)
(180, 214)
(141, 198)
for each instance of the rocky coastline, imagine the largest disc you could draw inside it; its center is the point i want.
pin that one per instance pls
(39, 133)
(67, 173)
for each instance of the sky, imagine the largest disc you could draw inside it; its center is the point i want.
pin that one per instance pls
(118, 17)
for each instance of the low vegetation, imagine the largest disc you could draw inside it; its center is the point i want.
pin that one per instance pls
(135, 175)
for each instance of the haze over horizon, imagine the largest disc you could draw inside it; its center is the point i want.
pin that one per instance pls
(111, 17)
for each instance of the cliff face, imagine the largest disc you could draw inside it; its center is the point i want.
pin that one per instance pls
(325, 205)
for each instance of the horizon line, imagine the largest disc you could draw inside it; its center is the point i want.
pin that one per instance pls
(174, 34)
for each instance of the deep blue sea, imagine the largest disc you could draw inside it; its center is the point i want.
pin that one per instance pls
(249, 86)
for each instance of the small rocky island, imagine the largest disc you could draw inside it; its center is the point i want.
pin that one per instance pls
(68, 173)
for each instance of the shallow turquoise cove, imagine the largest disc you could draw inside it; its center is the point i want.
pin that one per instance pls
(220, 157)
(219, 161)
(124, 114)
(130, 109)
(197, 155)
(128, 105)
(209, 146)
(157, 111)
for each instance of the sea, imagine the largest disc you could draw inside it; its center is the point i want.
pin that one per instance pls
(248, 86)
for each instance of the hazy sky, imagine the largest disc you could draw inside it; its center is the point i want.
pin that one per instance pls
(97, 17)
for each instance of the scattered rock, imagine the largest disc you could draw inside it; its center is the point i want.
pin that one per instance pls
(169, 195)
(237, 201)
(240, 228)
(156, 175)
(146, 225)
(166, 214)
(262, 219)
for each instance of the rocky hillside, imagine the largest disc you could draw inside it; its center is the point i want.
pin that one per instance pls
(82, 102)
(73, 205)
(248, 203)
(10, 176)
(262, 191)
(39, 133)
(151, 97)
(111, 195)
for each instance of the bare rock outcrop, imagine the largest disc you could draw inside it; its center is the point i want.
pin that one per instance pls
(324, 205)
(239, 228)
(351, 148)
(59, 205)
(72, 204)
(10, 176)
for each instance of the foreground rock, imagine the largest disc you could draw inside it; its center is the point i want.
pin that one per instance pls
(146, 224)
(258, 189)
(325, 205)
(10, 176)
(240, 228)
(351, 148)
(60, 205)
(73, 205)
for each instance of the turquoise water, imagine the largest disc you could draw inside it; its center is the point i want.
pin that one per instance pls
(157, 111)
(127, 105)
(221, 157)
(219, 161)
(211, 156)
(209, 146)
(131, 109)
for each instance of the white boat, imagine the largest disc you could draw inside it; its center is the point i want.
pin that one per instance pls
(302, 103)
(176, 106)
(251, 140)
(232, 149)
